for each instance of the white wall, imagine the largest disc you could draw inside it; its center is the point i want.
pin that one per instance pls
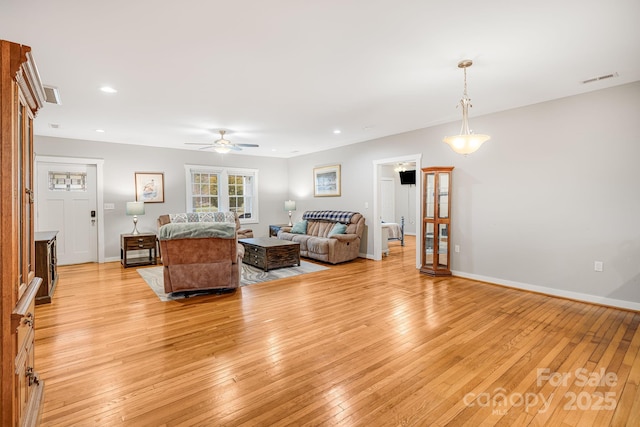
(121, 161)
(555, 189)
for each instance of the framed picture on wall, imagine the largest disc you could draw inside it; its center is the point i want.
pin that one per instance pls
(150, 187)
(326, 181)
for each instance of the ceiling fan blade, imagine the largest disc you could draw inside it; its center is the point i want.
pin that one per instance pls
(247, 145)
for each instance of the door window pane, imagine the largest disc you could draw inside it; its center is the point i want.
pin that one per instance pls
(68, 181)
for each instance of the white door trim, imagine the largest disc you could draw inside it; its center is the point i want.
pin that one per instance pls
(377, 226)
(99, 164)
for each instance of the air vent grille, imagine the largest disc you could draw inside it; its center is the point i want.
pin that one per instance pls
(596, 79)
(52, 95)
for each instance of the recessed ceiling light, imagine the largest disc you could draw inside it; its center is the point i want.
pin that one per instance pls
(108, 89)
(337, 131)
(100, 130)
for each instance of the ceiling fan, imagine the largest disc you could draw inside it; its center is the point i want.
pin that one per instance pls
(222, 145)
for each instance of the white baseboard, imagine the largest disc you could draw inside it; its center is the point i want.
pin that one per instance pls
(594, 299)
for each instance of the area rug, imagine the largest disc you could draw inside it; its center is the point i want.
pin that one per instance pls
(250, 275)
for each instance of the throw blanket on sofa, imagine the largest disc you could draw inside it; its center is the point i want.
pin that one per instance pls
(193, 230)
(338, 216)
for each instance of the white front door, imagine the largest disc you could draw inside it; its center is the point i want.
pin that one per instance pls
(66, 202)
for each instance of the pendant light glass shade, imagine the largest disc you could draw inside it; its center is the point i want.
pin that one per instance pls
(466, 142)
(222, 149)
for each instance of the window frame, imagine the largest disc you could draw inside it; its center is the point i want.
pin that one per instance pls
(223, 188)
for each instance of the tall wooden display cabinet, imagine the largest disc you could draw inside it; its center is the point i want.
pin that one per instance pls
(436, 220)
(21, 96)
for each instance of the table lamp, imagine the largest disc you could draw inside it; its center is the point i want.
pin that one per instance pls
(290, 205)
(135, 209)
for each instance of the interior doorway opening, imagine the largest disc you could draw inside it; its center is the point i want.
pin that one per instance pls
(381, 177)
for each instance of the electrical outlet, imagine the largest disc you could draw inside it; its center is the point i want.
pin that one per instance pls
(109, 206)
(598, 265)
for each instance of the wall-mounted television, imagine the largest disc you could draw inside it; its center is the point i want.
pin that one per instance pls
(408, 177)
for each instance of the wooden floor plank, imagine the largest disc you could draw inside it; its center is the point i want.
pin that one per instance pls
(364, 343)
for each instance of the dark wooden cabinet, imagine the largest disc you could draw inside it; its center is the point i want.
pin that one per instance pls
(21, 96)
(138, 242)
(46, 265)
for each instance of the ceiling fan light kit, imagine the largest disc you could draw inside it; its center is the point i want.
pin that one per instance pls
(222, 149)
(466, 142)
(222, 145)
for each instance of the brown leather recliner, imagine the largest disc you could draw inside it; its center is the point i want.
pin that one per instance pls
(199, 263)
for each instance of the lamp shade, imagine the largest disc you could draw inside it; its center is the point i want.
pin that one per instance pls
(289, 205)
(222, 149)
(135, 208)
(466, 144)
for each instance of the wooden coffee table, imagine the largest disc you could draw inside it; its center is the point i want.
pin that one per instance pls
(268, 253)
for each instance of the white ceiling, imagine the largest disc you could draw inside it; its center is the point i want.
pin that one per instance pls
(286, 73)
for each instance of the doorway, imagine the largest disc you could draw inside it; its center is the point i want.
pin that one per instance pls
(68, 193)
(378, 202)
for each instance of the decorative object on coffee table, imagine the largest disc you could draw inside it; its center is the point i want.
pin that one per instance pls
(268, 253)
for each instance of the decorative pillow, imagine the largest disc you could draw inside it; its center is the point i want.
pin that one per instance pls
(337, 229)
(299, 227)
(177, 218)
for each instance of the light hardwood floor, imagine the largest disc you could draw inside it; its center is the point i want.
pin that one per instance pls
(361, 344)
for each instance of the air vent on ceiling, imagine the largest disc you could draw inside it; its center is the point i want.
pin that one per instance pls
(595, 79)
(52, 94)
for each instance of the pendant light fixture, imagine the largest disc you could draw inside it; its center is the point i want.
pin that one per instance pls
(467, 142)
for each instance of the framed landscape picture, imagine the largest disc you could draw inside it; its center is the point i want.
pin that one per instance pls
(150, 187)
(326, 181)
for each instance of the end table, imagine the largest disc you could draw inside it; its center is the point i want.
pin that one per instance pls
(137, 242)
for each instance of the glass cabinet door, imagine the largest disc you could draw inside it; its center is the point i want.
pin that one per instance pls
(443, 195)
(430, 202)
(428, 254)
(443, 246)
